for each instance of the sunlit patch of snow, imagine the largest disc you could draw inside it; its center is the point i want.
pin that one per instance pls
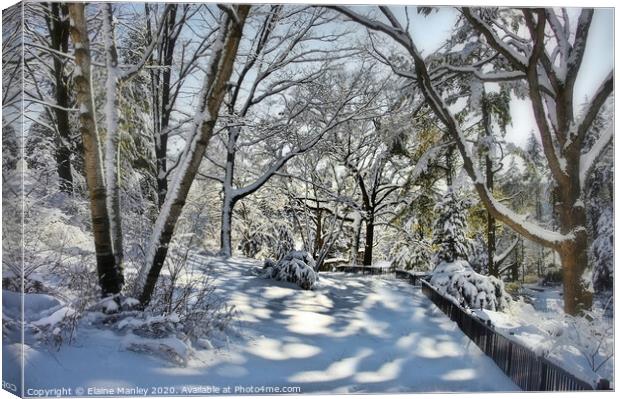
(460, 375)
(387, 372)
(307, 322)
(342, 368)
(273, 349)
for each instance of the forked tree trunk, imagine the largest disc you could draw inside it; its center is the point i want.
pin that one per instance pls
(110, 274)
(218, 74)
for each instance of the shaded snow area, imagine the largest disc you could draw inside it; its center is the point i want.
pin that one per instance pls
(349, 334)
(581, 345)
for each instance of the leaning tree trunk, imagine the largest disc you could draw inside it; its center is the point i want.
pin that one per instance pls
(110, 274)
(218, 74)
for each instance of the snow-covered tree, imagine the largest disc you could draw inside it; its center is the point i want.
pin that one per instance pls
(543, 48)
(450, 228)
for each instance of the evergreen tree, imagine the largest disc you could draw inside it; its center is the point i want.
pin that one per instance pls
(449, 229)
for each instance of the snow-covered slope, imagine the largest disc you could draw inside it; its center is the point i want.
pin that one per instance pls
(349, 334)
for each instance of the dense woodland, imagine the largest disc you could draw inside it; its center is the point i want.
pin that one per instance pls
(241, 130)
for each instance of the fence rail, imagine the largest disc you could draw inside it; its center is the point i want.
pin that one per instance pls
(526, 369)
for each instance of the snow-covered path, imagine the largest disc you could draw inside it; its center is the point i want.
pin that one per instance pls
(352, 334)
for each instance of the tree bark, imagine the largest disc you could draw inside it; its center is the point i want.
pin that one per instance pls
(370, 236)
(226, 226)
(229, 201)
(488, 164)
(113, 196)
(355, 246)
(162, 102)
(110, 274)
(59, 34)
(218, 74)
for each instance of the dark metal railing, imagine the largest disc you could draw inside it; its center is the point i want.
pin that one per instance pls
(524, 367)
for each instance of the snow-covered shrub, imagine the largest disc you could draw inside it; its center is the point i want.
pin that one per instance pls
(297, 267)
(470, 289)
(157, 335)
(58, 324)
(449, 229)
(591, 334)
(171, 329)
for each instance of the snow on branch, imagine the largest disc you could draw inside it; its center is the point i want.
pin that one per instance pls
(516, 59)
(601, 95)
(134, 69)
(589, 159)
(499, 259)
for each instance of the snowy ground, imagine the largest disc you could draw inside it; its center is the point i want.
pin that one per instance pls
(352, 334)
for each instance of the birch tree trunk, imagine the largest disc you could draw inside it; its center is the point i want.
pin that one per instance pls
(110, 274)
(218, 74)
(112, 135)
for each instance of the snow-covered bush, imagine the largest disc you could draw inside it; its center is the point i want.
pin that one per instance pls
(156, 335)
(171, 329)
(470, 289)
(296, 267)
(591, 334)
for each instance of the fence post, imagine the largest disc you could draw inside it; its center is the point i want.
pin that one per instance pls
(543, 376)
(602, 385)
(509, 366)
